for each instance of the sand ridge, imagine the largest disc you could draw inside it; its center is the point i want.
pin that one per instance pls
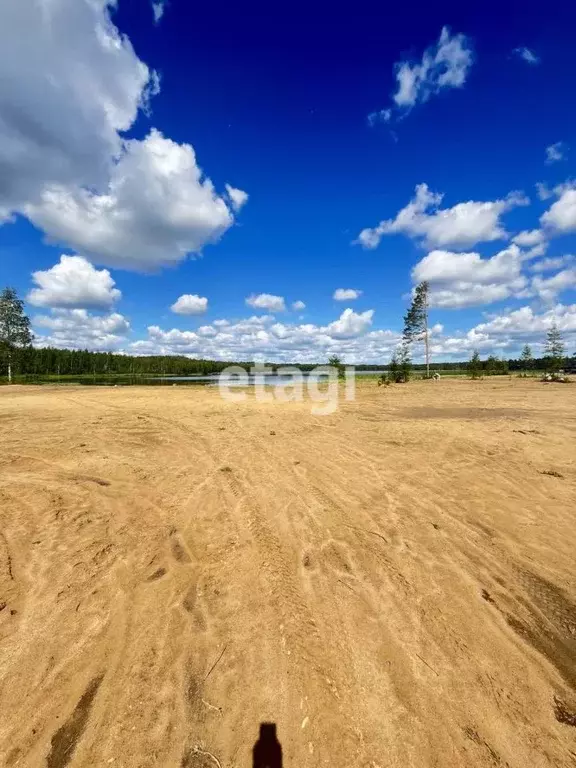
(392, 585)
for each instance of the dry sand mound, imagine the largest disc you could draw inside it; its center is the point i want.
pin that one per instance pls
(391, 585)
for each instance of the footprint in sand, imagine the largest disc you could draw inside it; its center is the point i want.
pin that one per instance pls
(192, 604)
(335, 555)
(158, 573)
(192, 601)
(307, 561)
(178, 548)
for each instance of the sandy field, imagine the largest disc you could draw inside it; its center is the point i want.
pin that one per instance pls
(391, 585)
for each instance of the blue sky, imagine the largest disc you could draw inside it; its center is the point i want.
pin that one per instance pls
(356, 151)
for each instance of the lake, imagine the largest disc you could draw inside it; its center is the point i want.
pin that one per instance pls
(123, 380)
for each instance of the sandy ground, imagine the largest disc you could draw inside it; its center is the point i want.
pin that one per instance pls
(392, 585)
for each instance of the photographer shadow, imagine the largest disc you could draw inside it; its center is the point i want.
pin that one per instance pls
(267, 752)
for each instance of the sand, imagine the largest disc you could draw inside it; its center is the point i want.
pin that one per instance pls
(392, 585)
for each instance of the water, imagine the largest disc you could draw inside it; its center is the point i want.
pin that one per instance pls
(272, 379)
(250, 380)
(123, 380)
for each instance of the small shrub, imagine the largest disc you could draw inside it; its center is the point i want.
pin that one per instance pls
(475, 366)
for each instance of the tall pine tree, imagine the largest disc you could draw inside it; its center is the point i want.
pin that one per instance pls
(554, 350)
(526, 357)
(14, 326)
(416, 321)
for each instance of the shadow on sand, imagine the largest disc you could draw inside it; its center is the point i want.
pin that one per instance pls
(267, 752)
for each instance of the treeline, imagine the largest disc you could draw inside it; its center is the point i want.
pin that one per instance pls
(33, 361)
(49, 361)
(498, 366)
(492, 365)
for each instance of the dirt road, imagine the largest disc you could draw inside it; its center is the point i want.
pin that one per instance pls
(392, 585)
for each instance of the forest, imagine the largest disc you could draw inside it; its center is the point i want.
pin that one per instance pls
(48, 361)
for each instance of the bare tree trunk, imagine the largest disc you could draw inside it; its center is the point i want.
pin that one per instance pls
(9, 370)
(426, 340)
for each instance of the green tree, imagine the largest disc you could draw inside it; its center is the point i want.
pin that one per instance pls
(14, 327)
(491, 365)
(400, 366)
(475, 365)
(416, 321)
(554, 350)
(405, 362)
(502, 366)
(337, 363)
(527, 358)
(393, 368)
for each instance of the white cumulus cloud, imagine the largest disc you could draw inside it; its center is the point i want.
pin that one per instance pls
(530, 325)
(71, 86)
(466, 279)
(560, 218)
(529, 238)
(79, 329)
(73, 282)
(157, 209)
(551, 263)
(351, 324)
(548, 288)
(190, 304)
(237, 197)
(353, 339)
(346, 294)
(262, 337)
(505, 334)
(267, 301)
(298, 306)
(463, 225)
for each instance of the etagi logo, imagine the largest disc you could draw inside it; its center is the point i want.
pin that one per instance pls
(288, 384)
